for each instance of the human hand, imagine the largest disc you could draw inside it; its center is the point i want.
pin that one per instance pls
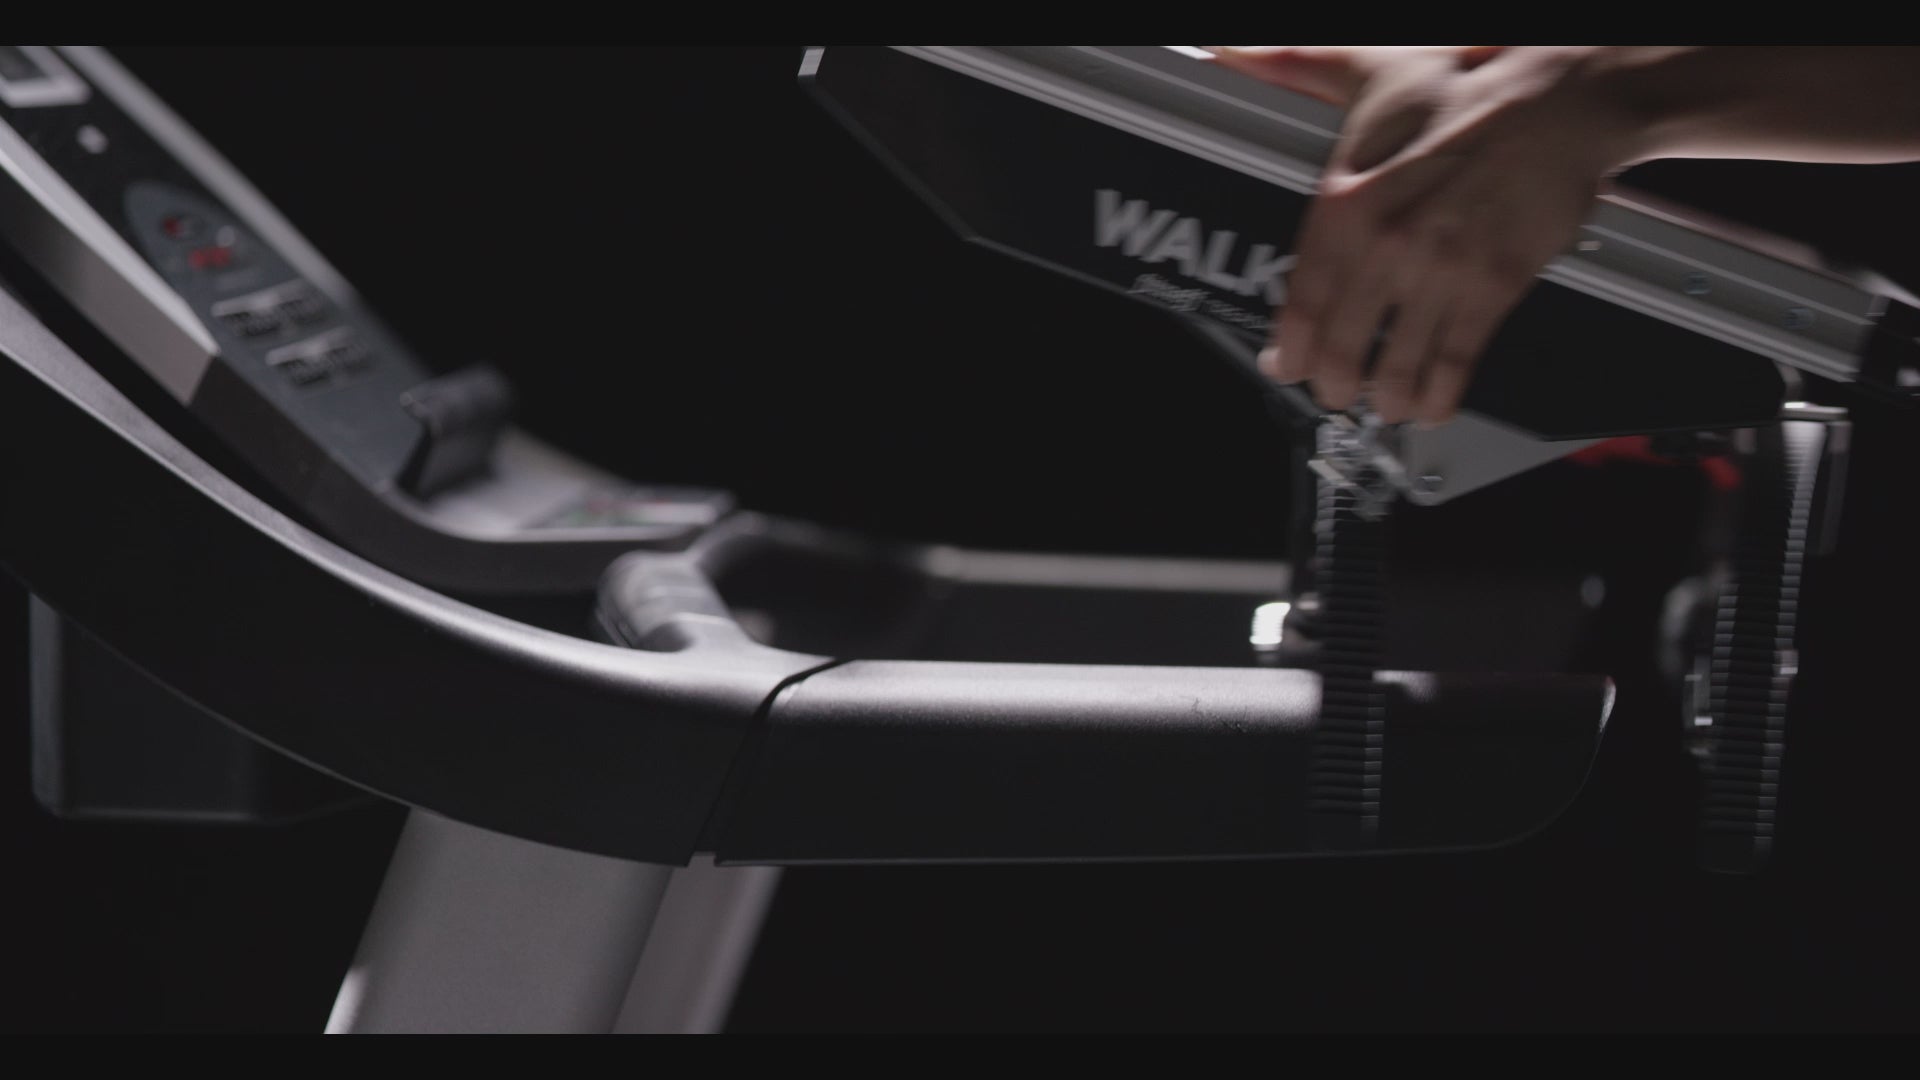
(1460, 172)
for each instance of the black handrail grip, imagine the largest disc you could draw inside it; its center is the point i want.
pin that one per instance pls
(876, 761)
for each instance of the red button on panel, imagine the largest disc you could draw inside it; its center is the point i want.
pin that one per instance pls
(180, 226)
(214, 257)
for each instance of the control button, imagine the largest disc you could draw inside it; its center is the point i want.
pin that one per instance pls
(354, 358)
(303, 370)
(253, 315)
(226, 252)
(181, 227)
(335, 353)
(461, 415)
(347, 354)
(248, 322)
(91, 139)
(271, 310)
(211, 257)
(299, 304)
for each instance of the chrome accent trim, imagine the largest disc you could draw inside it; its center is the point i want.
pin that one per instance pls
(99, 273)
(1632, 255)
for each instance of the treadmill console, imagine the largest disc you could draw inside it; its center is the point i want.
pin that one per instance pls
(161, 246)
(270, 326)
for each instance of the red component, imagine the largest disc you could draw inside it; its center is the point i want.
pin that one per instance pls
(1626, 448)
(179, 226)
(1721, 472)
(210, 258)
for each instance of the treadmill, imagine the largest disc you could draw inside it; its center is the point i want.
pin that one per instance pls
(599, 808)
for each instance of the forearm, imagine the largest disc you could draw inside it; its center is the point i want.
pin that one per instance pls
(1816, 103)
(1460, 172)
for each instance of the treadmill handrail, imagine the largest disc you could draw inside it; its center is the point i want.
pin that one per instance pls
(950, 760)
(709, 741)
(432, 702)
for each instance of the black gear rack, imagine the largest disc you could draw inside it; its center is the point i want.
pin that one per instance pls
(1740, 736)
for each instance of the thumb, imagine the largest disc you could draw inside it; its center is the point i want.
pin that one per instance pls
(1332, 73)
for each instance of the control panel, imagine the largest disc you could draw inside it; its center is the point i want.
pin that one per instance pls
(327, 367)
(146, 236)
(264, 310)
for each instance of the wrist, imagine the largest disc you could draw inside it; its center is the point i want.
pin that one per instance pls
(1605, 102)
(1654, 95)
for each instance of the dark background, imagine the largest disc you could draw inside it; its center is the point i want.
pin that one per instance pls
(691, 275)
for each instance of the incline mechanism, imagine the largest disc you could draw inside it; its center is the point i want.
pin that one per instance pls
(1151, 171)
